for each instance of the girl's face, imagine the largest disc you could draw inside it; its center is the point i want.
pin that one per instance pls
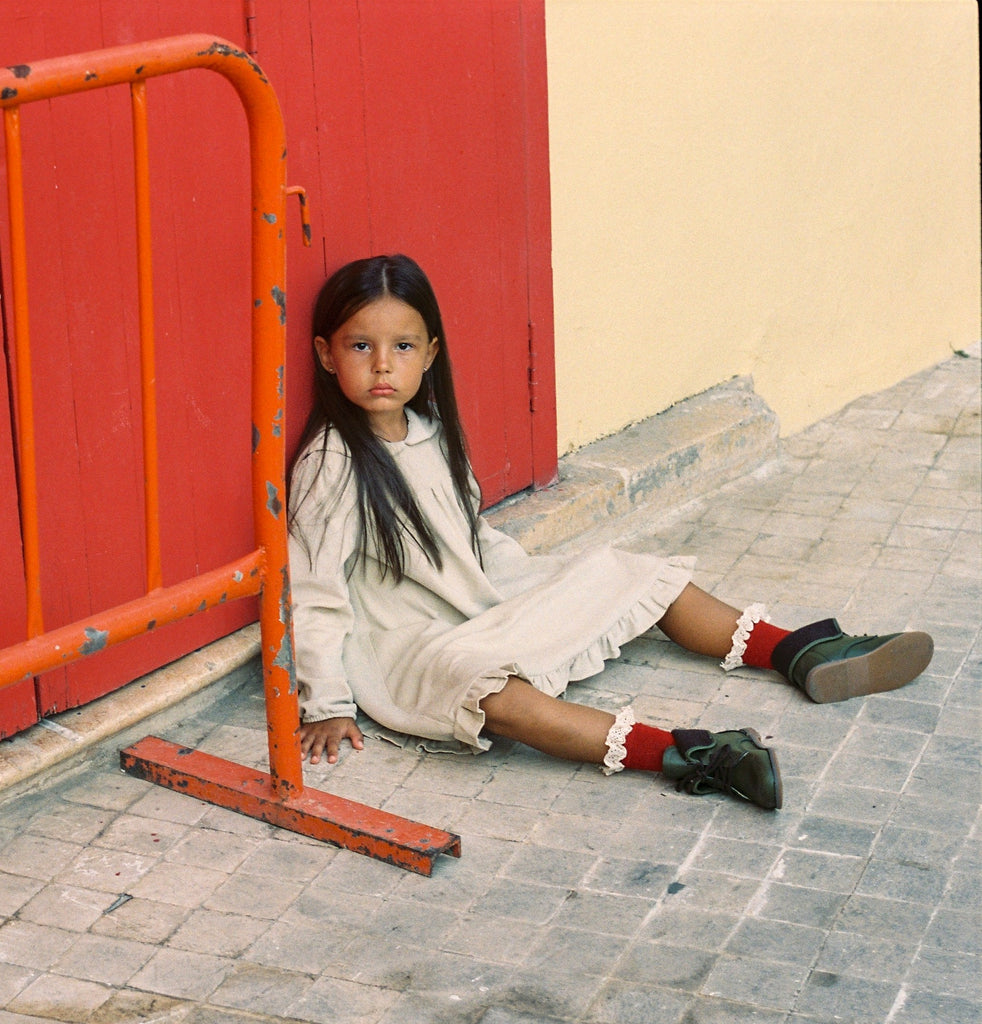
(379, 357)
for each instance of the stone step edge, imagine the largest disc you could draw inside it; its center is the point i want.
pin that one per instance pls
(665, 461)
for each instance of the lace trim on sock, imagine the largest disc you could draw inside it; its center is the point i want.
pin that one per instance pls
(616, 751)
(745, 624)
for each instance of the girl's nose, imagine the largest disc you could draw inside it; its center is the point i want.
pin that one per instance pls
(381, 362)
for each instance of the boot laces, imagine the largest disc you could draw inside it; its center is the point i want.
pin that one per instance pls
(716, 772)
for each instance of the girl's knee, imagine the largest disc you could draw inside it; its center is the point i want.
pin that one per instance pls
(503, 708)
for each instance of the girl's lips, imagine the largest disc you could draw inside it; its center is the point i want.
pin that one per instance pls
(383, 389)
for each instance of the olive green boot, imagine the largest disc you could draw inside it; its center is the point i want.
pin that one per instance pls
(830, 665)
(733, 762)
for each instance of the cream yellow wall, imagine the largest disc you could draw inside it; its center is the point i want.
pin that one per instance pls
(788, 189)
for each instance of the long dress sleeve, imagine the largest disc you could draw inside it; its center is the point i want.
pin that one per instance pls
(323, 540)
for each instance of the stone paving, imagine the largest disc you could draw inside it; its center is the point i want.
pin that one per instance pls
(581, 898)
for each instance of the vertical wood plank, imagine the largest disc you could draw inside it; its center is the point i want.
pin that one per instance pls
(18, 706)
(438, 172)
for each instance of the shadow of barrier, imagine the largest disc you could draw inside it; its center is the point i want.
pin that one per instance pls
(279, 796)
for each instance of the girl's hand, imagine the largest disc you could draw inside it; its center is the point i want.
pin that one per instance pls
(317, 738)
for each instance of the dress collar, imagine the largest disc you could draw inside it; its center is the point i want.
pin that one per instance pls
(421, 428)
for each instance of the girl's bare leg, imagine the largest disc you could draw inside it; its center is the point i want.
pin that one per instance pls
(700, 622)
(696, 621)
(573, 732)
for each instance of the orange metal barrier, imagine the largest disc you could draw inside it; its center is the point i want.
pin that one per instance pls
(278, 797)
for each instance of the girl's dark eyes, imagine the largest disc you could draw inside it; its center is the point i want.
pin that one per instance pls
(364, 346)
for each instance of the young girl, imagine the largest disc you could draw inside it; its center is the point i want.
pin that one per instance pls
(408, 605)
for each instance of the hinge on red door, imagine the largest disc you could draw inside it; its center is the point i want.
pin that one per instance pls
(533, 382)
(251, 43)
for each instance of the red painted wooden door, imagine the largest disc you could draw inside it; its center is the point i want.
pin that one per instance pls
(18, 707)
(417, 127)
(420, 126)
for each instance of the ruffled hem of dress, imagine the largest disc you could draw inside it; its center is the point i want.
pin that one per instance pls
(638, 619)
(468, 724)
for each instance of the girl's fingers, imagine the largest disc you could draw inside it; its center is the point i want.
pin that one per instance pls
(353, 734)
(324, 739)
(311, 745)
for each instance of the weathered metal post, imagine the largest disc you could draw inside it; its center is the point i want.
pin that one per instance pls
(279, 796)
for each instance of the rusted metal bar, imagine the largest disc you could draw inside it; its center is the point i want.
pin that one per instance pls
(313, 813)
(301, 193)
(120, 65)
(27, 489)
(57, 647)
(268, 161)
(148, 373)
(278, 796)
(139, 62)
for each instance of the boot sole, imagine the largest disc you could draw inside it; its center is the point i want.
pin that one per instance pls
(889, 667)
(775, 770)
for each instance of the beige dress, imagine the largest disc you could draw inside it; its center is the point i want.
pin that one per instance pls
(418, 655)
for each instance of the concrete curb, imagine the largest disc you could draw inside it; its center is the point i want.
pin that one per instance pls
(667, 460)
(664, 461)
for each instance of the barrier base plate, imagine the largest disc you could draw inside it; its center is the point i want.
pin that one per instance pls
(346, 823)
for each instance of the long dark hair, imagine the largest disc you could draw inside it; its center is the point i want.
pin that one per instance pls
(386, 505)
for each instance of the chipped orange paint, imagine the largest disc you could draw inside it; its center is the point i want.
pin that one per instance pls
(323, 816)
(278, 796)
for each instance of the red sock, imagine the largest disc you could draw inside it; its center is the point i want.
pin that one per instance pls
(761, 643)
(646, 746)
